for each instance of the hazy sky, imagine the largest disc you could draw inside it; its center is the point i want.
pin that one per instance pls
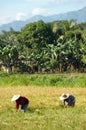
(24, 9)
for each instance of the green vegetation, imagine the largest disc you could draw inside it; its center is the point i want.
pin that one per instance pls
(57, 80)
(45, 119)
(59, 46)
(41, 48)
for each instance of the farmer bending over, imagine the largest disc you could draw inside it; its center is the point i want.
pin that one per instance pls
(21, 101)
(67, 100)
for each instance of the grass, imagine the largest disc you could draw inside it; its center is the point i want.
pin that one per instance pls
(45, 111)
(57, 80)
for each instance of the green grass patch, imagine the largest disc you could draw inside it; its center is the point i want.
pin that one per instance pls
(44, 119)
(57, 80)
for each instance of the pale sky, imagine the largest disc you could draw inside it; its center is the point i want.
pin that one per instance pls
(11, 10)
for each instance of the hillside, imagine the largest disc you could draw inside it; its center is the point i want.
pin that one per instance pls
(79, 16)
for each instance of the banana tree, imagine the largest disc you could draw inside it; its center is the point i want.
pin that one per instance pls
(9, 57)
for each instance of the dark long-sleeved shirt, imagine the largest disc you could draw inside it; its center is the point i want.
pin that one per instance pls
(70, 100)
(21, 101)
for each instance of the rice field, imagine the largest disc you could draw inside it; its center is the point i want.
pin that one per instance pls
(45, 111)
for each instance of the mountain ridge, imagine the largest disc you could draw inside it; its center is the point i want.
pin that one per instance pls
(79, 16)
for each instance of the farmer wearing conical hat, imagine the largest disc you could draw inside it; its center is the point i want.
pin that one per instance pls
(20, 101)
(67, 100)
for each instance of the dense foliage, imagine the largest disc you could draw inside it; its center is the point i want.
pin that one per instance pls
(44, 48)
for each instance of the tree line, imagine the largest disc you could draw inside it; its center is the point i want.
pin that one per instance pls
(39, 47)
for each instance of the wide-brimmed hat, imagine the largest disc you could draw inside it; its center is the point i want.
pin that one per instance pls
(64, 96)
(15, 97)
